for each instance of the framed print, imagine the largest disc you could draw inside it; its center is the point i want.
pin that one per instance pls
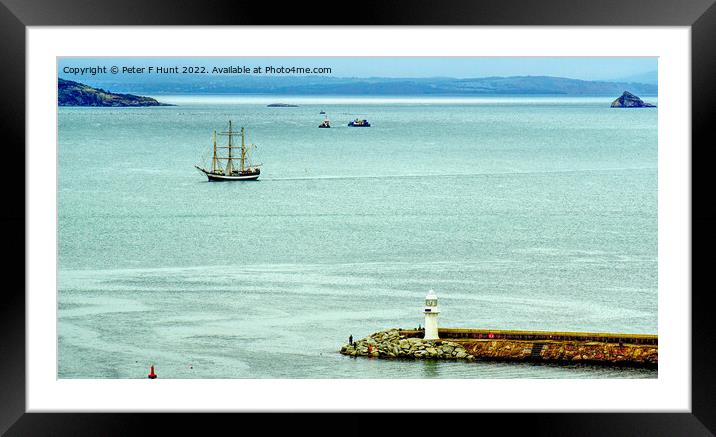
(386, 214)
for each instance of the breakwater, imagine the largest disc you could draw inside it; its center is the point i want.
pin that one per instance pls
(639, 350)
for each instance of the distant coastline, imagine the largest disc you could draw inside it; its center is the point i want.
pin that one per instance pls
(331, 86)
(305, 101)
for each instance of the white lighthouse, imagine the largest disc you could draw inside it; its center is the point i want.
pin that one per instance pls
(431, 316)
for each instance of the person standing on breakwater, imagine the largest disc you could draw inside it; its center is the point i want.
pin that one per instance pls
(350, 339)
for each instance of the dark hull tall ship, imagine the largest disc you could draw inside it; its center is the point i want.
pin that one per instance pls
(236, 168)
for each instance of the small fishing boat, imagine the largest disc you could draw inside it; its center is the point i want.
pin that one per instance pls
(359, 123)
(322, 112)
(229, 171)
(325, 123)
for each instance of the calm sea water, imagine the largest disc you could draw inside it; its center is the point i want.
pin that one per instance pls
(522, 213)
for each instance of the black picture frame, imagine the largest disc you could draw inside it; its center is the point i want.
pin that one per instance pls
(16, 15)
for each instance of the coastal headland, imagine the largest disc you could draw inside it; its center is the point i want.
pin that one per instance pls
(71, 93)
(629, 350)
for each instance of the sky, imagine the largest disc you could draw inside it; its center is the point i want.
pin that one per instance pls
(585, 68)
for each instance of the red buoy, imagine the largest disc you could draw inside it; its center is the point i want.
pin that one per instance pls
(152, 375)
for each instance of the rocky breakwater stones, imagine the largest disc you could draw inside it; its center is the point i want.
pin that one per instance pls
(633, 354)
(643, 355)
(390, 344)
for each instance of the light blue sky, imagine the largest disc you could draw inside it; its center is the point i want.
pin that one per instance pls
(587, 68)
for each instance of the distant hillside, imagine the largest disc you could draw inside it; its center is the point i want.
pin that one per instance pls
(312, 85)
(76, 94)
(650, 77)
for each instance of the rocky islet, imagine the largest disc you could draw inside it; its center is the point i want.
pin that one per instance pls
(629, 100)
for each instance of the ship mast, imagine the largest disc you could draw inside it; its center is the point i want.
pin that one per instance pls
(213, 161)
(243, 150)
(229, 164)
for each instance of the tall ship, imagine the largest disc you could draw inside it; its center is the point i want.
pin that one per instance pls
(236, 166)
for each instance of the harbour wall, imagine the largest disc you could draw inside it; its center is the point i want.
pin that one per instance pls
(634, 350)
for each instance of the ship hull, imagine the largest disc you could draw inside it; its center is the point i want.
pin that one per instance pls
(224, 178)
(214, 177)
